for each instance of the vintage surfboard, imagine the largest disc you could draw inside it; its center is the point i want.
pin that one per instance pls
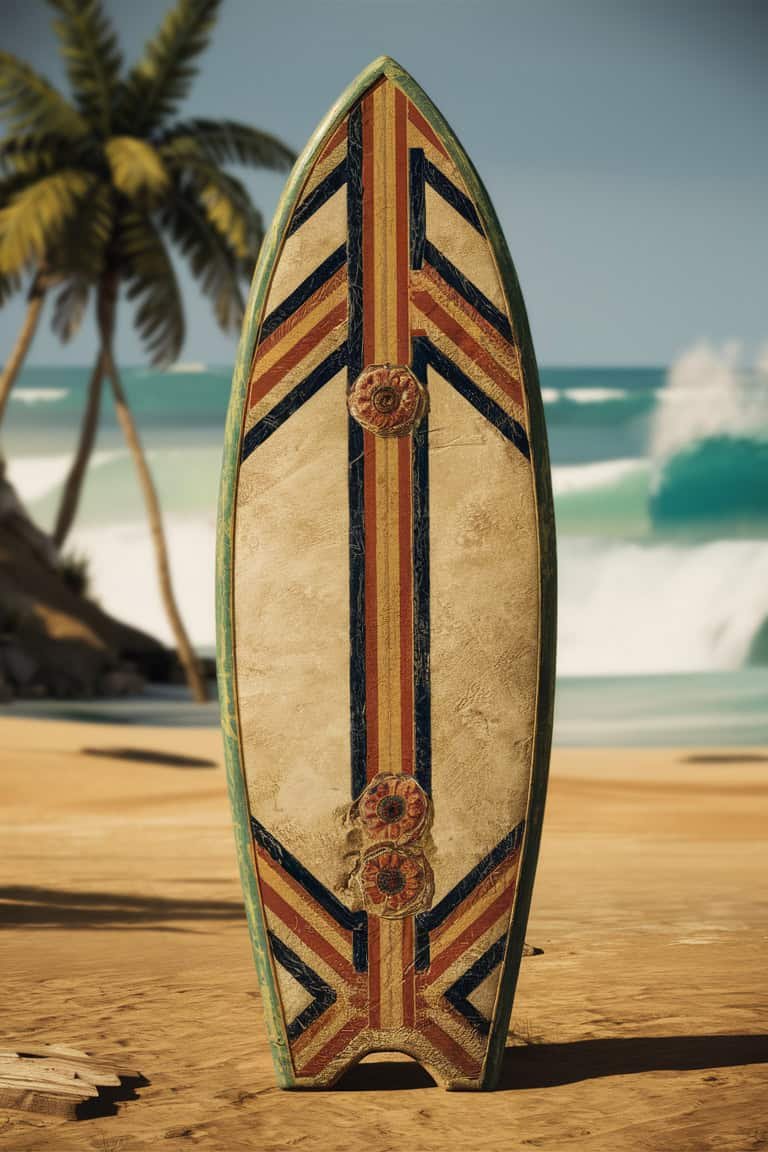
(386, 583)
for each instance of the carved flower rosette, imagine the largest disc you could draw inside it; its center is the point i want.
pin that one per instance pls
(393, 874)
(395, 881)
(393, 807)
(387, 400)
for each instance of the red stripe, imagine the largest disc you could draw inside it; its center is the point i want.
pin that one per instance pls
(401, 228)
(405, 526)
(409, 990)
(418, 120)
(304, 930)
(371, 623)
(444, 1043)
(331, 1014)
(368, 219)
(451, 328)
(335, 1045)
(374, 974)
(263, 385)
(323, 292)
(502, 876)
(302, 894)
(339, 135)
(470, 934)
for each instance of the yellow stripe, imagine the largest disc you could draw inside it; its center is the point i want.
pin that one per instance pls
(470, 367)
(472, 954)
(504, 353)
(391, 974)
(331, 932)
(333, 1020)
(473, 912)
(323, 167)
(388, 605)
(299, 331)
(322, 234)
(292, 378)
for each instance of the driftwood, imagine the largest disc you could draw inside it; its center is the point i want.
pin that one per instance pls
(61, 1081)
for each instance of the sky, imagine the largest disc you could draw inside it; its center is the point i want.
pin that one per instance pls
(622, 141)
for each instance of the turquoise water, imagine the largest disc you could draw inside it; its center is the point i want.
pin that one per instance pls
(661, 498)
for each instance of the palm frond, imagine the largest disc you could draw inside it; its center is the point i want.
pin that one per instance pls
(31, 105)
(229, 142)
(224, 198)
(137, 168)
(160, 81)
(211, 259)
(9, 286)
(37, 155)
(152, 284)
(81, 249)
(34, 219)
(69, 307)
(93, 59)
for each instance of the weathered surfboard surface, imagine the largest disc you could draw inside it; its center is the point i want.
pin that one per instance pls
(386, 602)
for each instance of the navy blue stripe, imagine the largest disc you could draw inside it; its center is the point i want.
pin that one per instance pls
(452, 195)
(472, 294)
(356, 922)
(358, 741)
(299, 395)
(488, 408)
(318, 196)
(323, 994)
(421, 619)
(418, 223)
(426, 922)
(300, 295)
(458, 993)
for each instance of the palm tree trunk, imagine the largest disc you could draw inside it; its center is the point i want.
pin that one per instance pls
(70, 497)
(186, 653)
(13, 365)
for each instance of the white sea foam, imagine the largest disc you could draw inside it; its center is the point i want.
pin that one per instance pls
(34, 477)
(594, 395)
(567, 478)
(123, 577)
(38, 395)
(649, 608)
(709, 392)
(550, 395)
(186, 368)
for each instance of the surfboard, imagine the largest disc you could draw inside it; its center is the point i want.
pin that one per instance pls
(386, 602)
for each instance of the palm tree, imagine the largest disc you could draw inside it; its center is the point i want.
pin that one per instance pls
(100, 181)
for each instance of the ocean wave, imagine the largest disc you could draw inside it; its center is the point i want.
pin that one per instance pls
(594, 395)
(720, 479)
(644, 609)
(568, 478)
(710, 393)
(31, 396)
(187, 368)
(38, 477)
(122, 573)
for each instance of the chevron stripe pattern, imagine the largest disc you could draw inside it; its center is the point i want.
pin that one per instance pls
(385, 261)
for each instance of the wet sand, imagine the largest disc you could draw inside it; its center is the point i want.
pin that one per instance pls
(642, 1026)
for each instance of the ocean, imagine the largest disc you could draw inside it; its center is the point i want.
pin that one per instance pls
(661, 498)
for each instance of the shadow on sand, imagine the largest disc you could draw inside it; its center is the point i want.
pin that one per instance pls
(30, 907)
(552, 1065)
(150, 756)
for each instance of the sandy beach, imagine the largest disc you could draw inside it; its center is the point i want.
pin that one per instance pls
(640, 1026)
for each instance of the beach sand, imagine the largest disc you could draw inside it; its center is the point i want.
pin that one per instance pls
(641, 1026)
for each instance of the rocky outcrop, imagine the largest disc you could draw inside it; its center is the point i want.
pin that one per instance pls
(54, 641)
